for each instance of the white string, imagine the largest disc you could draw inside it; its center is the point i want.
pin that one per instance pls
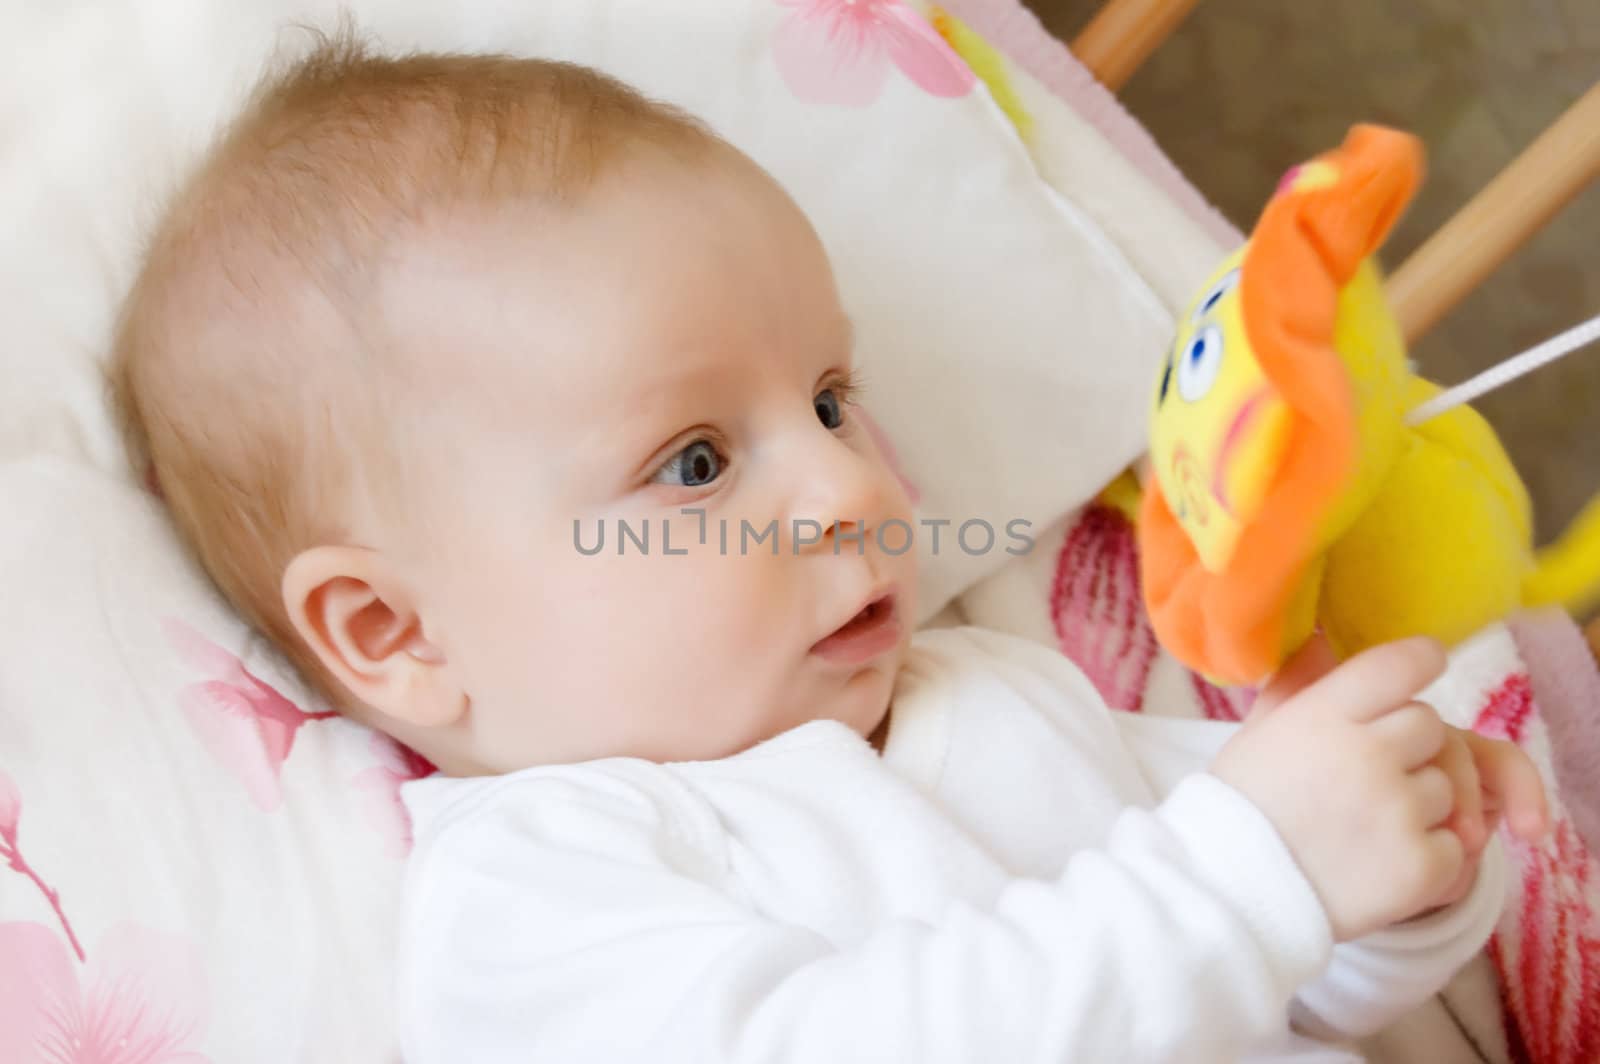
(1556, 347)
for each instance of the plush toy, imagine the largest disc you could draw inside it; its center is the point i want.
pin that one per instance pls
(1293, 494)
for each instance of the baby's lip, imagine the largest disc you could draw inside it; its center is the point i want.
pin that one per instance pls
(881, 593)
(872, 630)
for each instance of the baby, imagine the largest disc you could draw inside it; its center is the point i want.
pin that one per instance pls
(417, 320)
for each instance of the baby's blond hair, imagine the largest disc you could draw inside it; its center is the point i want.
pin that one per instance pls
(248, 384)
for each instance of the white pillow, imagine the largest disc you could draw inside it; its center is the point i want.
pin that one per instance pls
(229, 865)
(228, 862)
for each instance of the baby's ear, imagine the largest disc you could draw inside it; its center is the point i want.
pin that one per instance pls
(358, 617)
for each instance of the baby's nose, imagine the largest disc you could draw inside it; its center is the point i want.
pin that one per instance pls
(841, 496)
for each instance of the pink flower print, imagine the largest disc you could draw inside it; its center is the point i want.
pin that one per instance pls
(11, 854)
(244, 723)
(839, 51)
(10, 810)
(143, 1000)
(378, 791)
(140, 1000)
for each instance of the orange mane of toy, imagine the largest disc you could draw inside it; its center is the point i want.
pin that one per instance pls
(1236, 625)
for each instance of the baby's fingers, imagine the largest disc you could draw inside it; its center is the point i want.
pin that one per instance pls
(1467, 817)
(1309, 664)
(1441, 864)
(1379, 680)
(1511, 785)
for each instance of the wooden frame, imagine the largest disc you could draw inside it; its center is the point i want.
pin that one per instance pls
(1501, 218)
(1474, 242)
(1122, 35)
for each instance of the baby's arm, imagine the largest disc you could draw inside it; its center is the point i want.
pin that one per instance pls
(1371, 981)
(1376, 978)
(601, 921)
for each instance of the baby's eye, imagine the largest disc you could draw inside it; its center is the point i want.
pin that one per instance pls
(830, 411)
(693, 467)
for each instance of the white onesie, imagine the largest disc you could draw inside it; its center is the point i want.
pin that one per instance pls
(1023, 876)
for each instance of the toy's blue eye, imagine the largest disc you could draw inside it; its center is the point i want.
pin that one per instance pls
(1224, 285)
(1199, 364)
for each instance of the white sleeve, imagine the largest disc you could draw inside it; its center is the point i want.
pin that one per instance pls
(603, 923)
(1168, 750)
(1373, 981)
(1370, 982)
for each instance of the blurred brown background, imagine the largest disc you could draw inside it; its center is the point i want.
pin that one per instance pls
(1247, 88)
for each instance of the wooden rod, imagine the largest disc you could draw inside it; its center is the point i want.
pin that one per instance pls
(1124, 33)
(1499, 219)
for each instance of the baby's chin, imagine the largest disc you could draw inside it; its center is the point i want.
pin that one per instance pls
(864, 702)
(860, 702)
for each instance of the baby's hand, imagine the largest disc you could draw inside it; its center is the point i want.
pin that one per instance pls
(1491, 779)
(1361, 782)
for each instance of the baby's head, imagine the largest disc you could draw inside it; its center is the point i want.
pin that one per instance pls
(421, 331)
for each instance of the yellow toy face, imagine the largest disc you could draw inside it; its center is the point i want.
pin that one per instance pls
(1218, 428)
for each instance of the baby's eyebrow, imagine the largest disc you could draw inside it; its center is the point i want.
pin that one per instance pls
(670, 375)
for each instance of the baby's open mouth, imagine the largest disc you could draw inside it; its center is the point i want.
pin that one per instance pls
(874, 630)
(871, 612)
